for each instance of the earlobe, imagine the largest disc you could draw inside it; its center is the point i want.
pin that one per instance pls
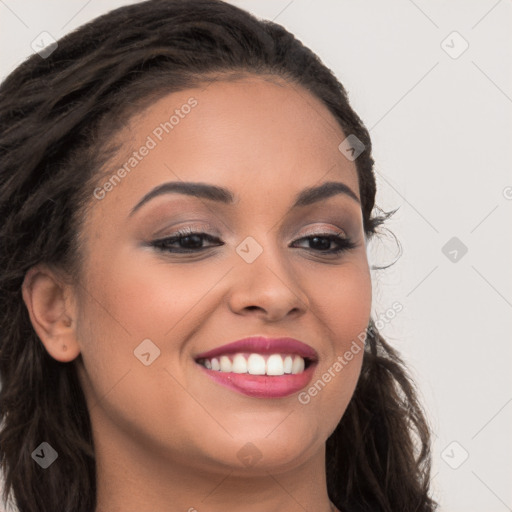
(50, 313)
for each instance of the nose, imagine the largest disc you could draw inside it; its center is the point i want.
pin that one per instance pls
(268, 287)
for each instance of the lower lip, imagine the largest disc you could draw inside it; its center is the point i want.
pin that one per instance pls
(263, 386)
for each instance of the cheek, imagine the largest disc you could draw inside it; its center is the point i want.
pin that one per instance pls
(127, 302)
(351, 315)
(143, 298)
(351, 309)
(343, 309)
(342, 300)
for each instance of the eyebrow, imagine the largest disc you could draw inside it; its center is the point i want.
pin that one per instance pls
(306, 197)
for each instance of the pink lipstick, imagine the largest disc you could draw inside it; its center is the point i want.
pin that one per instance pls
(261, 367)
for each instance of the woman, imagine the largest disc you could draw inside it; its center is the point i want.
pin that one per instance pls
(181, 187)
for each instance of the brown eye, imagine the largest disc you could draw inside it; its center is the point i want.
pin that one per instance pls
(188, 241)
(322, 241)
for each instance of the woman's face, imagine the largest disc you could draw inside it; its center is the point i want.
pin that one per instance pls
(145, 312)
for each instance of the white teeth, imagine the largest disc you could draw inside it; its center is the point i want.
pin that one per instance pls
(298, 364)
(239, 364)
(288, 362)
(275, 365)
(257, 364)
(225, 364)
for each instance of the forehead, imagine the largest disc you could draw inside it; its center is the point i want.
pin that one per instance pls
(251, 133)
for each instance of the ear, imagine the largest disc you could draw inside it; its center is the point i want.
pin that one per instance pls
(52, 312)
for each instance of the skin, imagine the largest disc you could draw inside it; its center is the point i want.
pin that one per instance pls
(166, 436)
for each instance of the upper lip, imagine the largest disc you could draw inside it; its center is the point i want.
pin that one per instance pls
(263, 345)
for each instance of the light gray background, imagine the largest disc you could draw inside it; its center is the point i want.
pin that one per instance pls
(441, 129)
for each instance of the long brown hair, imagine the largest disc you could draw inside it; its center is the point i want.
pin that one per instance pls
(55, 114)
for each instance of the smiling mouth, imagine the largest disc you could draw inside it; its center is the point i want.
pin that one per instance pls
(257, 364)
(260, 367)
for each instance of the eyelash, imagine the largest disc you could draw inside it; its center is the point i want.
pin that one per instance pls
(345, 244)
